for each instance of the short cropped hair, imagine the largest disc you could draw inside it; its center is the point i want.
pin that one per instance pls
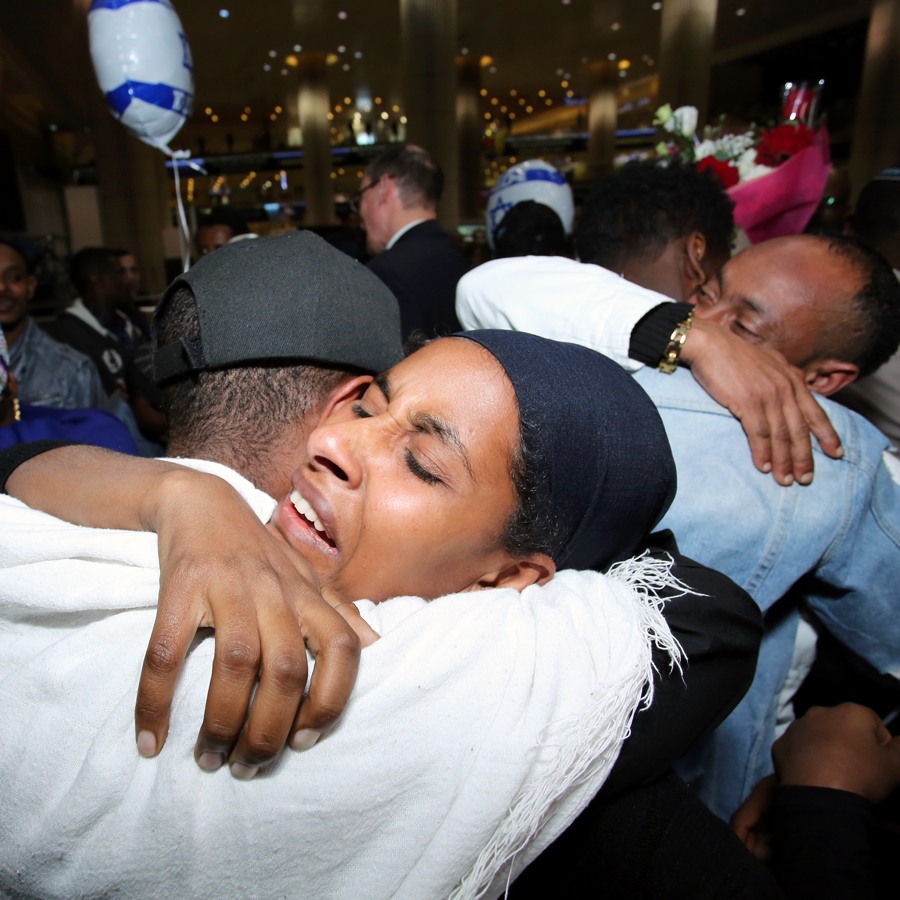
(871, 334)
(88, 263)
(18, 248)
(420, 181)
(235, 413)
(224, 216)
(635, 212)
(531, 229)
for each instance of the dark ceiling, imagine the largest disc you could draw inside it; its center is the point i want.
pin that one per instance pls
(240, 61)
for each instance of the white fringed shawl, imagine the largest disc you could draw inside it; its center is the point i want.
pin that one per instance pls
(480, 726)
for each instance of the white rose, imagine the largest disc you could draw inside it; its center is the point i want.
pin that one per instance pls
(683, 121)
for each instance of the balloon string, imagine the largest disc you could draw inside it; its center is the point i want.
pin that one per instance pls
(182, 218)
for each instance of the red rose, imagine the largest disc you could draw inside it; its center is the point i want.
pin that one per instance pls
(727, 174)
(781, 143)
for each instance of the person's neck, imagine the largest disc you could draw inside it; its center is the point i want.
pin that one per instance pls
(14, 332)
(406, 218)
(99, 306)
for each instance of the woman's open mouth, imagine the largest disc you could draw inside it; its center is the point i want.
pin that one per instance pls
(309, 515)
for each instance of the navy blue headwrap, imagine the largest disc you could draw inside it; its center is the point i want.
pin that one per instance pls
(596, 451)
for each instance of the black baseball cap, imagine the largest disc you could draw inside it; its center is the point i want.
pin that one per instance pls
(292, 297)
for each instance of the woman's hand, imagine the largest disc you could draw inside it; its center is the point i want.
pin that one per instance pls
(221, 568)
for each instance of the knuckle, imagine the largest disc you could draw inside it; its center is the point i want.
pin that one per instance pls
(218, 734)
(322, 712)
(344, 643)
(147, 708)
(162, 657)
(782, 434)
(287, 667)
(258, 749)
(237, 656)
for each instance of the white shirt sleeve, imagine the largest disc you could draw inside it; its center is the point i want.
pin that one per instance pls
(557, 298)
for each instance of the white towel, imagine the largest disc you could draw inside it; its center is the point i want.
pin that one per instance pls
(480, 726)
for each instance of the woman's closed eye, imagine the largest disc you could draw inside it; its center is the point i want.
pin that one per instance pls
(420, 471)
(413, 464)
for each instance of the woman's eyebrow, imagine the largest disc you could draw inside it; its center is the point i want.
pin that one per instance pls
(445, 433)
(432, 424)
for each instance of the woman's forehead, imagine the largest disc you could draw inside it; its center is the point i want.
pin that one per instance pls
(461, 386)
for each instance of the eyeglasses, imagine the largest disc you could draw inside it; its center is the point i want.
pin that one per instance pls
(357, 198)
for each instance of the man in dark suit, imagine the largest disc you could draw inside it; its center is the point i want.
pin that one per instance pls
(412, 254)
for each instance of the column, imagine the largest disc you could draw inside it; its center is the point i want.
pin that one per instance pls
(687, 35)
(468, 117)
(603, 112)
(428, 31)
(312, 109)
(876, 135)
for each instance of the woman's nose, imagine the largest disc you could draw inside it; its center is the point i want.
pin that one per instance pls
(336, 449)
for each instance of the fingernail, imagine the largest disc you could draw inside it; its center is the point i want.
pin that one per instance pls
(788, 480)
(305, 738)
(146, 743)
(242, 772)
(806, 478)
(767, 467)
(210, 761)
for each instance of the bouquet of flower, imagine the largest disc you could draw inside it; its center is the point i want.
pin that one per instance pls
(775, 176)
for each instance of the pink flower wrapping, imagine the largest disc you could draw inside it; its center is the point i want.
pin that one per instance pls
(783, 201)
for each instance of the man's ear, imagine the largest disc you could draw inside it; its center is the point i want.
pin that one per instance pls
(827, 376)
(536, 568)
(346, 392)
(693, 272)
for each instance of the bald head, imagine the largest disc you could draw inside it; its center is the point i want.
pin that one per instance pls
(827, 304)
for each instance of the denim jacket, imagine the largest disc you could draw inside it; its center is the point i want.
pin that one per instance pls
(52, 374)
(832, 547)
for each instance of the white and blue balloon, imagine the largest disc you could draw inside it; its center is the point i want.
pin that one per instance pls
(532, 180)
(143, 65)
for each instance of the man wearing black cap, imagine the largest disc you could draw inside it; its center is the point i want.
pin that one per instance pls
(248, 345)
